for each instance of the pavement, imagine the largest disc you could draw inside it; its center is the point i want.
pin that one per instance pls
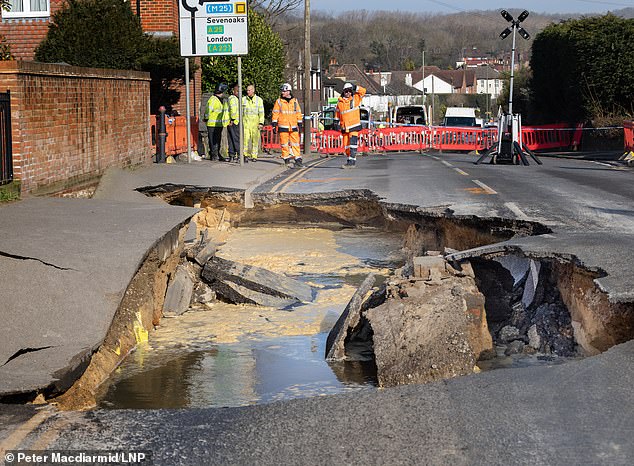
(66, 264)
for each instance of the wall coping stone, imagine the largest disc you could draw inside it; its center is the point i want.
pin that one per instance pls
(55, 69)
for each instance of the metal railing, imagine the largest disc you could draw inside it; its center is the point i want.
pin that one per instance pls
(6, 152)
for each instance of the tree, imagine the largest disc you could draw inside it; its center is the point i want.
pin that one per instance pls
(97, 33)
(5, 48)
(107, 34)
(584, 69)
(263, 66)
(273, 8)
(521, 93)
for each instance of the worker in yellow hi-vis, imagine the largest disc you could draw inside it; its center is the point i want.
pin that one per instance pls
(253, 117)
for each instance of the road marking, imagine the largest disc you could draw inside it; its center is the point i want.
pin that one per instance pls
(447, 164)
(461, 172)
(486, 188)
(512, 206)
(50, 435)
(324, 180)
(14, 440)
(286, 182)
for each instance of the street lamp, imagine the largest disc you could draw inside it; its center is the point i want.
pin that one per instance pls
(515, 25)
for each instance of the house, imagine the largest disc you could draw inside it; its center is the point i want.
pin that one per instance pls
(488, 81)
(437, 81)
(26, 25)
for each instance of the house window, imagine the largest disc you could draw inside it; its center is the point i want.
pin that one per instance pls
(27, 9)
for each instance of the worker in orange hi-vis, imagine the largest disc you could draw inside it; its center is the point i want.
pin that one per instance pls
(348, 120)
(287, 121)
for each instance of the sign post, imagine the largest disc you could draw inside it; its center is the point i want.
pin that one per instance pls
(213, 28)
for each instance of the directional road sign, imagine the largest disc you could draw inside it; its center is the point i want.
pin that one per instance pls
(213, 27)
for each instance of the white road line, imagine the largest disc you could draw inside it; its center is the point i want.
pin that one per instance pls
(512, 206)
(444, 162)
(461, 172)
(485, 187)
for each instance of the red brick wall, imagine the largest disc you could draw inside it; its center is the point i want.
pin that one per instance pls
(158, 15)
(25, 34)
(70, 123)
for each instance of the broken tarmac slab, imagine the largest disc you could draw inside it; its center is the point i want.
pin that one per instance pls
(240, 283)
(66, 265)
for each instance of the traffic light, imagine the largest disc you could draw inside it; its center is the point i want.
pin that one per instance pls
(506, 15)
(504, 34)
(522, 16)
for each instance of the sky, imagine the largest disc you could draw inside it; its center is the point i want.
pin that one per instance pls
(456, 6)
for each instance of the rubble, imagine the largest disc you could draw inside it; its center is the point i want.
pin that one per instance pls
(429, 326)
(240, 283)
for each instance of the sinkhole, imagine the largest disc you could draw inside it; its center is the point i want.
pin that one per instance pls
(303, 318)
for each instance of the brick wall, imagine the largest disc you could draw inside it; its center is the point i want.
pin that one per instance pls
(158, 16)
(25, 34)
(69, 124)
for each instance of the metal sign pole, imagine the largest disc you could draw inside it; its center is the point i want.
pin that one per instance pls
(187, 112)
(240, 115)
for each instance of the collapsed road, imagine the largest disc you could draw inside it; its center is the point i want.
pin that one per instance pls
(533, 222)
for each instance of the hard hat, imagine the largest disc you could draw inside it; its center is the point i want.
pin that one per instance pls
(286, 87)
(348, 86)
(221, 87)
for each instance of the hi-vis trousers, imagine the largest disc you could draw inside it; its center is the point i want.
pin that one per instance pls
(351, 144)
(290, 145)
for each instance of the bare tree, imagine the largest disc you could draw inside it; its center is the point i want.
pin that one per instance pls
(271, 9)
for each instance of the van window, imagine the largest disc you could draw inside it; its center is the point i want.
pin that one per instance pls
(410, 115)
(460, 121)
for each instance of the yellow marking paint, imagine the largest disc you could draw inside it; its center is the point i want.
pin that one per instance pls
(325, 180)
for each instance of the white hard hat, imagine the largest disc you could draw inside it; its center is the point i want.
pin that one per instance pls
(286, 87)
(348, 86)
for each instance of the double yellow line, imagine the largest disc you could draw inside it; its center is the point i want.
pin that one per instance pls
(286, 182)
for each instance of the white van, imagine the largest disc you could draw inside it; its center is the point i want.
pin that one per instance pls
(460, 116)
(409, 115)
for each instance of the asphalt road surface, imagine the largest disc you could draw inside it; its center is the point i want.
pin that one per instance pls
(578, 413)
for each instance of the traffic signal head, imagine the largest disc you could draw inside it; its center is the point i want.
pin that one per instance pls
(504, 34)
(523, 33)
(506, 15)
(522, 16)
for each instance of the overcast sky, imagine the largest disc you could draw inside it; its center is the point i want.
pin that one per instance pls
(454, 6)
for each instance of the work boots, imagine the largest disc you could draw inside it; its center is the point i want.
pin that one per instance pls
(288, 163)
(299, 163)
(350, 163)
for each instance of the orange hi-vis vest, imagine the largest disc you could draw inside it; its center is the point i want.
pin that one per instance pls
(348, 111)
(287, 115)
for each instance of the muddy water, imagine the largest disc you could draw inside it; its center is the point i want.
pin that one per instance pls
(228, 355)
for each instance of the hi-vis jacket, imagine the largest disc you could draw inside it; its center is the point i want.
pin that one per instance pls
(348, 111)
(216, 112)
(286, 115)
(253, 110)
(234, 110)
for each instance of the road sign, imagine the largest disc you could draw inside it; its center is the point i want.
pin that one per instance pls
(213, 27)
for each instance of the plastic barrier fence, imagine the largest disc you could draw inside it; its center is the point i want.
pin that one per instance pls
(400, 139)
(556, 136)
(628, 135)
(271, 141)
(462, 139)
(176, 139)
